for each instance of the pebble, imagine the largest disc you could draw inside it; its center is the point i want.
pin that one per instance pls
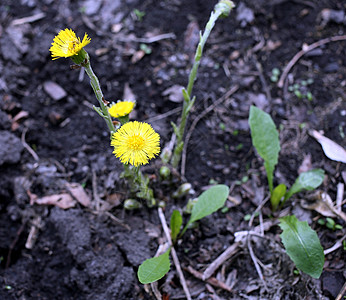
(9, 50)
(54, 90)
(331, 67)
(91, 7)
(245, 15)
(5, 122)
(10, 148)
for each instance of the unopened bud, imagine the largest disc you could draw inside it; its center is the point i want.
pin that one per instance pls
(225, 6)
(183, 190)
(165, 172)
(131, 204)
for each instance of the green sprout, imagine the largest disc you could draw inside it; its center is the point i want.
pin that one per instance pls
(301, 89)
(207, 203)
(275, 75)
(145, 48)
(265, 139)
(301, 242)
(330, 223)
(139, 14)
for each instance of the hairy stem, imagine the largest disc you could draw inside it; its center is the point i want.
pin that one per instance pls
(222, 8)
(95, 84)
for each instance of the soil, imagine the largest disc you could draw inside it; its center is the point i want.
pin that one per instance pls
(51, 137)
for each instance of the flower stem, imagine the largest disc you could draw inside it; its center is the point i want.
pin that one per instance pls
(221, 9)
(95, 84)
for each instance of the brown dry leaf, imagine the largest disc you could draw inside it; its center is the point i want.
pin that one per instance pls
(331, 149)
(79, 193)
(63, 200)
(324, 206)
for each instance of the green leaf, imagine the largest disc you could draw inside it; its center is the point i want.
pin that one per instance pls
(265, 139)
(176, 222)
(306, 181)
(186, 95)
(175, 128)
(302, 245)
(277, 195)
(208, 202)
(154, 268)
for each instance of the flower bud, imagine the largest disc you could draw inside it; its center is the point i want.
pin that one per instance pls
(183, 190)
(165, 172)
(131, 204)
(225, 6)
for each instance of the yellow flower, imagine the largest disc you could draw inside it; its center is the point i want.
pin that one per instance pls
(66, 44)
(135, 143)
(121, 109)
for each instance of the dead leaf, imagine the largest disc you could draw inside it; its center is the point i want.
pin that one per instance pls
(112, 200)
(79, 194)
(331, 149)
(324, 206)
(63, 200)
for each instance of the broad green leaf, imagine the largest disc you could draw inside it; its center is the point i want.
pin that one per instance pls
(306, 181)
(154, 268)
(208, 202)
(277, 195)
(302, 245)
(265, 139)
(176, 222)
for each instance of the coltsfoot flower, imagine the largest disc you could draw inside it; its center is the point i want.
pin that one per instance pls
(67, 44)
(121, 109)
(135, 143)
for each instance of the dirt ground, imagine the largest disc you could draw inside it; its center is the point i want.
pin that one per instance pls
(53, 143)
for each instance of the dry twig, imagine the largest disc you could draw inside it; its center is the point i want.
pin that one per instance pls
(174, 254)
(254, 259)
(229, 252)
(342, 292)
(336, 246)
(212, 280)
(27, 147)
(304, 51)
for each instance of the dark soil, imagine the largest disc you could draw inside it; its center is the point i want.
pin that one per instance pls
(83, 252)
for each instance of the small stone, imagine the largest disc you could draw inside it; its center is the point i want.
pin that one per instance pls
(10, 148)
(54, 90)
(245, 15)
(174, 93)
(9, 50)
(5, 122)
(331, 67)
(91, 7)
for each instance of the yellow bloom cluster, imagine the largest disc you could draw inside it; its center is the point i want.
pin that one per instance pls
(121, 109)
(135, 143)
(67, 44)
